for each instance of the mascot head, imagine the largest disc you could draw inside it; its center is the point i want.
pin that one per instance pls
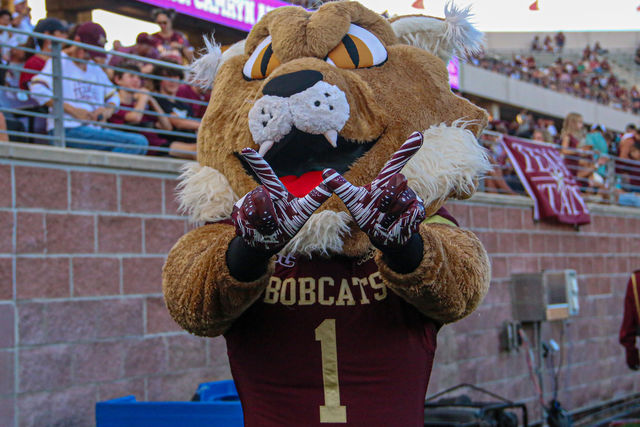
(341, 87)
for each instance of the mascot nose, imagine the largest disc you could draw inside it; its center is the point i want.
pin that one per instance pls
(292, 83)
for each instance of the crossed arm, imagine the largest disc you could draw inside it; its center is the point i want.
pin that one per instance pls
(216, 272)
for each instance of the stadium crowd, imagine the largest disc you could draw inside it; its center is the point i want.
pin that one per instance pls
(108, 88)
(591, 77)
(605, 164)
(111, 97)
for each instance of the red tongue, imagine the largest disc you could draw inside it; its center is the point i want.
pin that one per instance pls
(300, 186)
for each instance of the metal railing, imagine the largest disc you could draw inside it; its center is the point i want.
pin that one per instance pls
(621, 179)
(22, 106)
(622, 175)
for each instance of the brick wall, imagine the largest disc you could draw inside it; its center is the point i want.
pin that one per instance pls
(82, 317)
(603, 253)
(83, 238)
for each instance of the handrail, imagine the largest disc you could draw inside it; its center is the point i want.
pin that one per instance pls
(618, 173)
(622, 174)
(15, 106)
(92, 48)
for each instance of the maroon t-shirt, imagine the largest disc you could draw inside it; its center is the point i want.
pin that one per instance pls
(186, 91)
(328, 343)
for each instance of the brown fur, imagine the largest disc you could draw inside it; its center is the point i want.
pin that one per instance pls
(452, 278)
(407, 93)
(201, 295)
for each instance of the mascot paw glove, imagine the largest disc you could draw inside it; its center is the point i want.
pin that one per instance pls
(387, 210)
(633, 361)
(267, 217)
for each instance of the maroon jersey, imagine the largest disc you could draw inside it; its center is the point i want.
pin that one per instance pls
(326, 344)
(631, 318)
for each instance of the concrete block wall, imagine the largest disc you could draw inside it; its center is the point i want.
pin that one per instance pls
(83, 237)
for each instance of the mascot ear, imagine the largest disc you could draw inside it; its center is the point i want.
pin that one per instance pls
(453, 35)
(202, 71)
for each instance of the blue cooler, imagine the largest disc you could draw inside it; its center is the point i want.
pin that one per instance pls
(218, 405)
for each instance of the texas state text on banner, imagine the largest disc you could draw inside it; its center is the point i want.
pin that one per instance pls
(240, 14)
(543, 173)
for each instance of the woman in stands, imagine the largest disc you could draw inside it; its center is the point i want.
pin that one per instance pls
(141, 101)
(580, 163)
(572, 134)
(571, 137)
(167, 39)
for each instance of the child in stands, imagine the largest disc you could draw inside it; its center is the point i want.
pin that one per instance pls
(132, 96)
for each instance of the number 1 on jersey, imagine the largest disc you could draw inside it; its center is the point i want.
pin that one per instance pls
(331, 411)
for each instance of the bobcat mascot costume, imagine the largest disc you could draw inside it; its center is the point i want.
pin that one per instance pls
(327, 270)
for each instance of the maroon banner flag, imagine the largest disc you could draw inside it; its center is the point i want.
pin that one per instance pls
(544, 175)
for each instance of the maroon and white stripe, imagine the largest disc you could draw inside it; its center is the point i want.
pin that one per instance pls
(265, 174)
(364, 202)
(399, 159)
(291, 213)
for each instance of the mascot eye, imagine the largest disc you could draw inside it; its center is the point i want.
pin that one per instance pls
(358, 49)
(261, 62)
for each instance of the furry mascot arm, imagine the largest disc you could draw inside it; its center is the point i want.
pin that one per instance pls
(452, 278)
(213, 274)
(201, 294)
(441, 270)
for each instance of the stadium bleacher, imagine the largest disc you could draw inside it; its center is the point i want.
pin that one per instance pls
(149, 109)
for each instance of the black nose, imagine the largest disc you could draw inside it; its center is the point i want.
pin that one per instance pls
(292, 83)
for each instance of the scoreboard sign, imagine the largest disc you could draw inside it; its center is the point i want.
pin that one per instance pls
(238, 14)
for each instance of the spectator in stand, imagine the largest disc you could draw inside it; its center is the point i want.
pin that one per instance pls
(634, 94)
(560, 39)
(579, 163)
(590, 78)
(627, 140)
(181, 114)
(494, 182)
(51, 27)
(22, 19)
(197, 94)
(595, 140)
(597, 49)
(142, 101)
(541, 135)
(145, 46)
(90, 97)
(525, 124)
(548, 46)
(168, 40)
(637, 57)
(7, 39)
(571, 137)
(628, 177)
(535, 44)
(16, 62)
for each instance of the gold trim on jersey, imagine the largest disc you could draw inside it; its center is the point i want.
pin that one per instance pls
(437, 219)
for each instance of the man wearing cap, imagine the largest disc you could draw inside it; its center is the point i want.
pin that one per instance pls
(48, 26)
(89, 97)
(145, 46)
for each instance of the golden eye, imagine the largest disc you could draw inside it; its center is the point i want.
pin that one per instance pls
(261, 62)
(359, 48)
